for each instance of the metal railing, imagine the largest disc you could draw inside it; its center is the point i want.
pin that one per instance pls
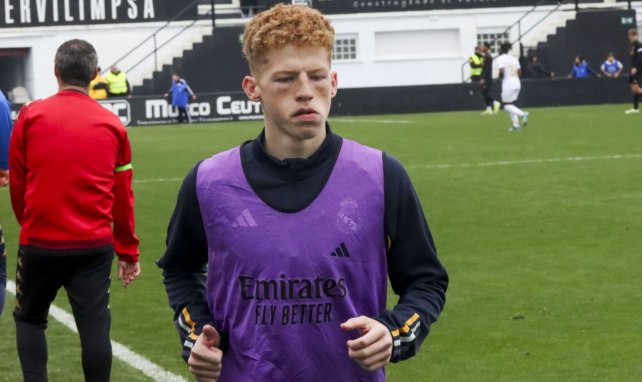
(154, 39)
(518, 23)
(521, 34)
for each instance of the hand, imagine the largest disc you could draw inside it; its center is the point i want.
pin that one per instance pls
(127, 272)
(373, 349)
(4, 178)
(166, 95)
(482, 82)
(205, 360)
(193, 97)
(634, 71)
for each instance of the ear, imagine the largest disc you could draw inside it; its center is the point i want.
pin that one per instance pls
(56, 72)
(335, 83)
(95, 74)
(251, 89)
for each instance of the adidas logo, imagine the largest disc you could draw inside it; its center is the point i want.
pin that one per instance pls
(245, 219)
(341, 251)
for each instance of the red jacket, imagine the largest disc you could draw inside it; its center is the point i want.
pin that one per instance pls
(70, 176)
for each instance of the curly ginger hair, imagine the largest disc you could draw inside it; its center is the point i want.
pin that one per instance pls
(284, 25)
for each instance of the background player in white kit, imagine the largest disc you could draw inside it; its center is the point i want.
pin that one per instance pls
(509, 72)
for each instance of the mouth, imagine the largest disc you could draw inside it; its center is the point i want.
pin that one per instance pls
(306, 114)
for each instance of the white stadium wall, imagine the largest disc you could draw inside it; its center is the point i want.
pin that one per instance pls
(392, 49)
(111, 42)
(424, 47)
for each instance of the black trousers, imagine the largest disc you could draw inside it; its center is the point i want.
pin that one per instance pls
(485, 88)
(183, 115)
(85, 275)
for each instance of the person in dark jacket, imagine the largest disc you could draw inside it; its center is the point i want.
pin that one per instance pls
(486, 81)
(279, 250)
(635, 74)
(535, 69)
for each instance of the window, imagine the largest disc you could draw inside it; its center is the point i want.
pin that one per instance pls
(494, 39)
(345, 48)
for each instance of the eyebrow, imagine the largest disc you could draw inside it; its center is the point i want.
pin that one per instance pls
(291, 72)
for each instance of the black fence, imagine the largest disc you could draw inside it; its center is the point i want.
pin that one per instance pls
(234, 106)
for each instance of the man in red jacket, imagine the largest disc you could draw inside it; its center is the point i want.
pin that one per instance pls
(70, 176)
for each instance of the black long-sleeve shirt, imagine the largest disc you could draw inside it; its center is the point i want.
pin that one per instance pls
(636, 55)
(487, 70)
(415, 272)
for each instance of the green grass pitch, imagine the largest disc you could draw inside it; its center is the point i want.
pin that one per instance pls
(543, 251)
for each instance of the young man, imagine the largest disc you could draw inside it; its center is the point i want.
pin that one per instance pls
(181, 94)
(486, 81)
(509, 72)
(611, 67)
(5, 134)
(70, 173)
(299, 230)
(635, 75)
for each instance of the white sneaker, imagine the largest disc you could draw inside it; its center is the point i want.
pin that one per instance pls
(525, 119)
(487, 112)
(514, 128)
(632, 111)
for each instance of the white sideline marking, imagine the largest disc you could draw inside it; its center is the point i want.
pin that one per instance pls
(524, 161)
(120, 351)
(381, 121)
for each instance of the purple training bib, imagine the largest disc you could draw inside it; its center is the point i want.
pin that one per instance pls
(281, 283)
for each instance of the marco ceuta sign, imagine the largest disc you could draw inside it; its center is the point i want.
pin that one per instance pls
(34, 13)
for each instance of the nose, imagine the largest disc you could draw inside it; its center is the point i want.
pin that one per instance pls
(304, 90)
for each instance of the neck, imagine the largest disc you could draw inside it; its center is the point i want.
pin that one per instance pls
(80, 89)
(282, 146)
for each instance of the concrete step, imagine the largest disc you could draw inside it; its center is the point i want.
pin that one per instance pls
(547, 27)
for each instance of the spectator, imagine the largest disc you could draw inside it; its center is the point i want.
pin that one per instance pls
(581, 69)
(98, 86)
(70, 173)
(476, 62)
(118, 85)
(611, 67)
(535, 69)
(181, 94)
(5, 133)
